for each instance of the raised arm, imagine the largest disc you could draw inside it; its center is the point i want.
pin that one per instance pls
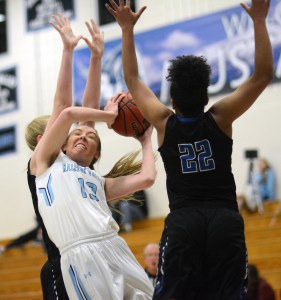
(63, 93)
(234, 105)
(151, 108)
(91, 97)
(52, 141)
(125, 185)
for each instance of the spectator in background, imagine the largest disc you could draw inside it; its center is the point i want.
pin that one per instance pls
(151, 257)
(266, 180)
(258, 288)
(246, 201)
(125, 212)
(259, 189)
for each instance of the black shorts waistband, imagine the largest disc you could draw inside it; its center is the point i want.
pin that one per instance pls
(206, 204)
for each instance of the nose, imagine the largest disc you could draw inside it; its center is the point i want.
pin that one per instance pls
(82, 137)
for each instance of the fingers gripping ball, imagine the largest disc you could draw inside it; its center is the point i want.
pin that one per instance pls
(129, 122)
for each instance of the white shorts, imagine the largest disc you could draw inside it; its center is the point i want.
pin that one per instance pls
(103, 269)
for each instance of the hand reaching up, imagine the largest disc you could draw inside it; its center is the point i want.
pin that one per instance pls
(123, 13)
(63, 27)
(258, 10)
(96, 46)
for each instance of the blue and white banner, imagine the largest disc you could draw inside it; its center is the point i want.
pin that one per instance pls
(226, 38)
(8, 90)
(8, 143)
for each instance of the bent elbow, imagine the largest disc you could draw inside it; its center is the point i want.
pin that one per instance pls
(263, 80)
(267, 79)
(68, 115)
(149, 181)
(268, 75)
(271, 76)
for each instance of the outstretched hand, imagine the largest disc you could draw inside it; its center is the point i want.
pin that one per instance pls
(62, 25)
(96, 46)
(258, 10)
(123, 14)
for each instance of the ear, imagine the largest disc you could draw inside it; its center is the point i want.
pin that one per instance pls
(38, 138)
(63, 148)
(97, 155)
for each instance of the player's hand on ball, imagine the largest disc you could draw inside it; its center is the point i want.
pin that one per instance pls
(146, 135)
(112, 105)
(130, 121)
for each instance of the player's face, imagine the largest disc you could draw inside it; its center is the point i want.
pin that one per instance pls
(82, 145)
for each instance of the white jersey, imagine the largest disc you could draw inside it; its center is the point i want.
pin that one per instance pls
(96, 263)
(72, 202)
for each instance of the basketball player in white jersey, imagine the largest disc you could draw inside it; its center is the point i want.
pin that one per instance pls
(72, 198)
(51, 277)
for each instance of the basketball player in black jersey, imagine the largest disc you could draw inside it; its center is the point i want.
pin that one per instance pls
(51, 277)
(202, 250)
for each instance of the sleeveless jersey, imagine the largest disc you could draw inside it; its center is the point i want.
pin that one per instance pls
(197, 160)
(72, 202)
(52, 250)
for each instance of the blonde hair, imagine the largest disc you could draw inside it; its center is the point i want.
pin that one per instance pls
(266, 163)
(36, 127)
(127, 165)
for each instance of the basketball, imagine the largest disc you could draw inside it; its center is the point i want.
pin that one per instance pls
(129, 122)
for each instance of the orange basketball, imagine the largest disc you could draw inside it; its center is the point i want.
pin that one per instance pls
(129, 122)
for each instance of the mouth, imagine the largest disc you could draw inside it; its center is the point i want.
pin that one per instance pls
(81, 146)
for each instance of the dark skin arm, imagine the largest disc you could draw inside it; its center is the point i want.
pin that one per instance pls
(225, 111)
(149, 105)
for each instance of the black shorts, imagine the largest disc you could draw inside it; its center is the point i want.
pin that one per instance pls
(202, 256)
(52, 282)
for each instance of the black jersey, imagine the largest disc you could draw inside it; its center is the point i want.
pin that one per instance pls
(52, 250)
(197, 160)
